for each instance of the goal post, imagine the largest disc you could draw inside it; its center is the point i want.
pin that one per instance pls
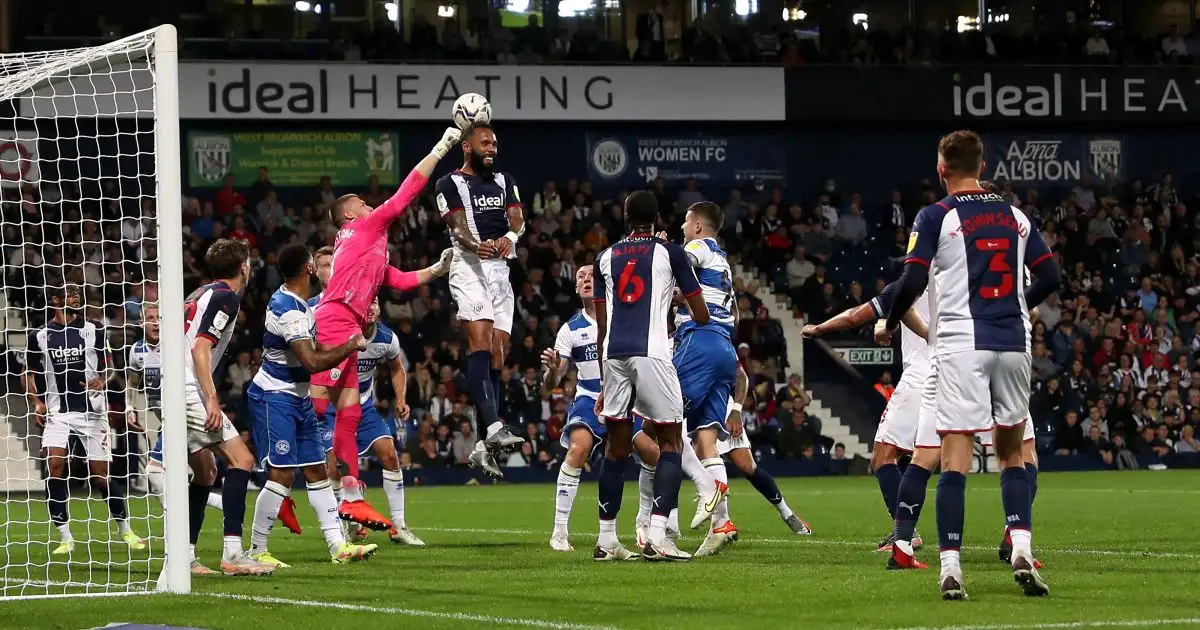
(91, 226)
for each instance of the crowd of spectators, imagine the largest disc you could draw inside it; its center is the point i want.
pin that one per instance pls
(754, 39)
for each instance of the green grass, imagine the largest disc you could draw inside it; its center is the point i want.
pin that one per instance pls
(1120, 550)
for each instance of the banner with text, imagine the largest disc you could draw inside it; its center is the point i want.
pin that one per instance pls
(293, 158)
(347, 91)
(1025, 94)
(633, 161)
(19, 158)
(1055, 159)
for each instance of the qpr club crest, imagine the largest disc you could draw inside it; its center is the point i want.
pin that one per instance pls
(1105, 157)
(211, 156)
(282, 447)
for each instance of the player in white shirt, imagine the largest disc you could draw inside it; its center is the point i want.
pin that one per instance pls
(374, 435)
(634, 283)
(210, 314)
(287, 433)
(69, 357)
(972, 249)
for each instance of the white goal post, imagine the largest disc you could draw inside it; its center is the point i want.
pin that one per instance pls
(90, 206)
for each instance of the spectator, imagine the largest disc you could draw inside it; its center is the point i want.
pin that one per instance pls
(884, 386)
(464, 442)
(270, 209)
(1069, 437)
(1187, 442)
(851, 229)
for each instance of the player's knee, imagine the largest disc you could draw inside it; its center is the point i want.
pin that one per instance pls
(743, 460)
(389, 459)
(282, 476)
(315, 473)
(57, 465)
(927, 458)
(578, 451)
(882, 455)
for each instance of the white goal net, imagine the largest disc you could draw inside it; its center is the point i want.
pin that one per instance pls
(89, 211)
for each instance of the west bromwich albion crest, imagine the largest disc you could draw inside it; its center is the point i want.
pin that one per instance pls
(1106, 158)
(211, 156)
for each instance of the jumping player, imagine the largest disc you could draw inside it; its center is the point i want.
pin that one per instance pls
(209, 315)
(634, 282)
(383, 348)
(287, 434)
(482, 208)
(575, 344)
(359, 267)
(897, 430)
(70, 355)
(975, 247)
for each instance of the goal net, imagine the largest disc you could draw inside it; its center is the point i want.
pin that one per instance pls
(90, 217)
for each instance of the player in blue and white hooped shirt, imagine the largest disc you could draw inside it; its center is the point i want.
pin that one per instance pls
(634, 281)
(287, 434)
(374, 434)
(972, 249)
(67, 366)
(575, 345)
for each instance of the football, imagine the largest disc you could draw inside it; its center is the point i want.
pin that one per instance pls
(471, 108)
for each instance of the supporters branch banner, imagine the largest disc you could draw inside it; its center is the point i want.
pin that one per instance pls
(19, 158)
(723, 160)
(1055, 159)
(294, 158)
(341, 91)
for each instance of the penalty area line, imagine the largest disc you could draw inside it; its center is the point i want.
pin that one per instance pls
(410, 612)
(1066, 625)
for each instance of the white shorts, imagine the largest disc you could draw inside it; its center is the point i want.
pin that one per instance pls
(646, 386)
(198, 437)
(898, 424)
(986, 437)
(978, 389)
(927, 436)
(483, 291)
(733, 443)
(92, 428)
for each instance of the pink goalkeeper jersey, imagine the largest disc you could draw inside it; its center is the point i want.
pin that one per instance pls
(360, 256)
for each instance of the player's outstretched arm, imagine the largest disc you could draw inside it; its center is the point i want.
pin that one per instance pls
(318, 358)
(848, 319)
(409, 280)
(414, 183)
(555, 369)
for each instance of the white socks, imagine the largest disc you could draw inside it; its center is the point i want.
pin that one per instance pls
(716, 468)
(1022, 542)
(658, 530)
(351, 489)
(645, 494)
(393, 487)
(336, 484)
(695, 470)
(785, 512)
(216, 501)
(564, 497)
(608, 535)
(122, 526)
(673, 521)
(64, 532)
(493, 428)
(266, 511)
(320, 495)
(951, 563)
(232, 548)
(156, 477)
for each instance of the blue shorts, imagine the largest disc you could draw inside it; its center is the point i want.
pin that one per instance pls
(707, 365)
(583, 416)
(371, 428)
(156, 452)
(286, 431)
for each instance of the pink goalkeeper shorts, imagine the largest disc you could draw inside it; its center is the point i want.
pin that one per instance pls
(336, 323)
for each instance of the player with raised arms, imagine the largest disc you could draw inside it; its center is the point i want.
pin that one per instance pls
(482, 208)
(359, 267)
(287, 433)
(633, 286)
(972, 249)
(210, 314)
(383, 348)
(70, 355)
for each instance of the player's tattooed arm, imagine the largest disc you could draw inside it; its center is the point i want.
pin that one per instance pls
(848, 319)
(318, 357)
(461, 233)
(741, 385)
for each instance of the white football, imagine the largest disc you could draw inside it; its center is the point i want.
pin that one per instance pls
(471, 108)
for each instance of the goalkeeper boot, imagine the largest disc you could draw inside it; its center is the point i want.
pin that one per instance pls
(404, 536)
(350, 552)
(503, 441)
(481, 458)
(133, 541)
(266, 558)
(64, 548)
(287, 515)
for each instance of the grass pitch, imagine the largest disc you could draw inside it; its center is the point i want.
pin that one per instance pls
(1120, 551)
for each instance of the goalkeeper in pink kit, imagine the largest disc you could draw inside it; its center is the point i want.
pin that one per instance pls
(360, 267)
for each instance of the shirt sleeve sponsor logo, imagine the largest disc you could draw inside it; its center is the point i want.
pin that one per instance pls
(912, 241)
(443, 207)
(220, 320)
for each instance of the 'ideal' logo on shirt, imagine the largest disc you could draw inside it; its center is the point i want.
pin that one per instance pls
(67, 354)
(488, 202)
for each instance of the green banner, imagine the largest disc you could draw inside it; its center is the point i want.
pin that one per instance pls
(293, 158)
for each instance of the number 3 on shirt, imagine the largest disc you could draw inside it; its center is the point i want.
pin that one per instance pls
(630, 288)
(997, 264)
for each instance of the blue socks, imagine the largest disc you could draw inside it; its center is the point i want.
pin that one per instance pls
(496, 385)
(766, 486)
(56, 489)
(909, 500)
(114, 494)
(951, 509)
(888, 476)
(611, 486)
(479, 386)
(667, 477)
(234, 494)
(197, 503)
(1031, 472)
(1014, 494)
